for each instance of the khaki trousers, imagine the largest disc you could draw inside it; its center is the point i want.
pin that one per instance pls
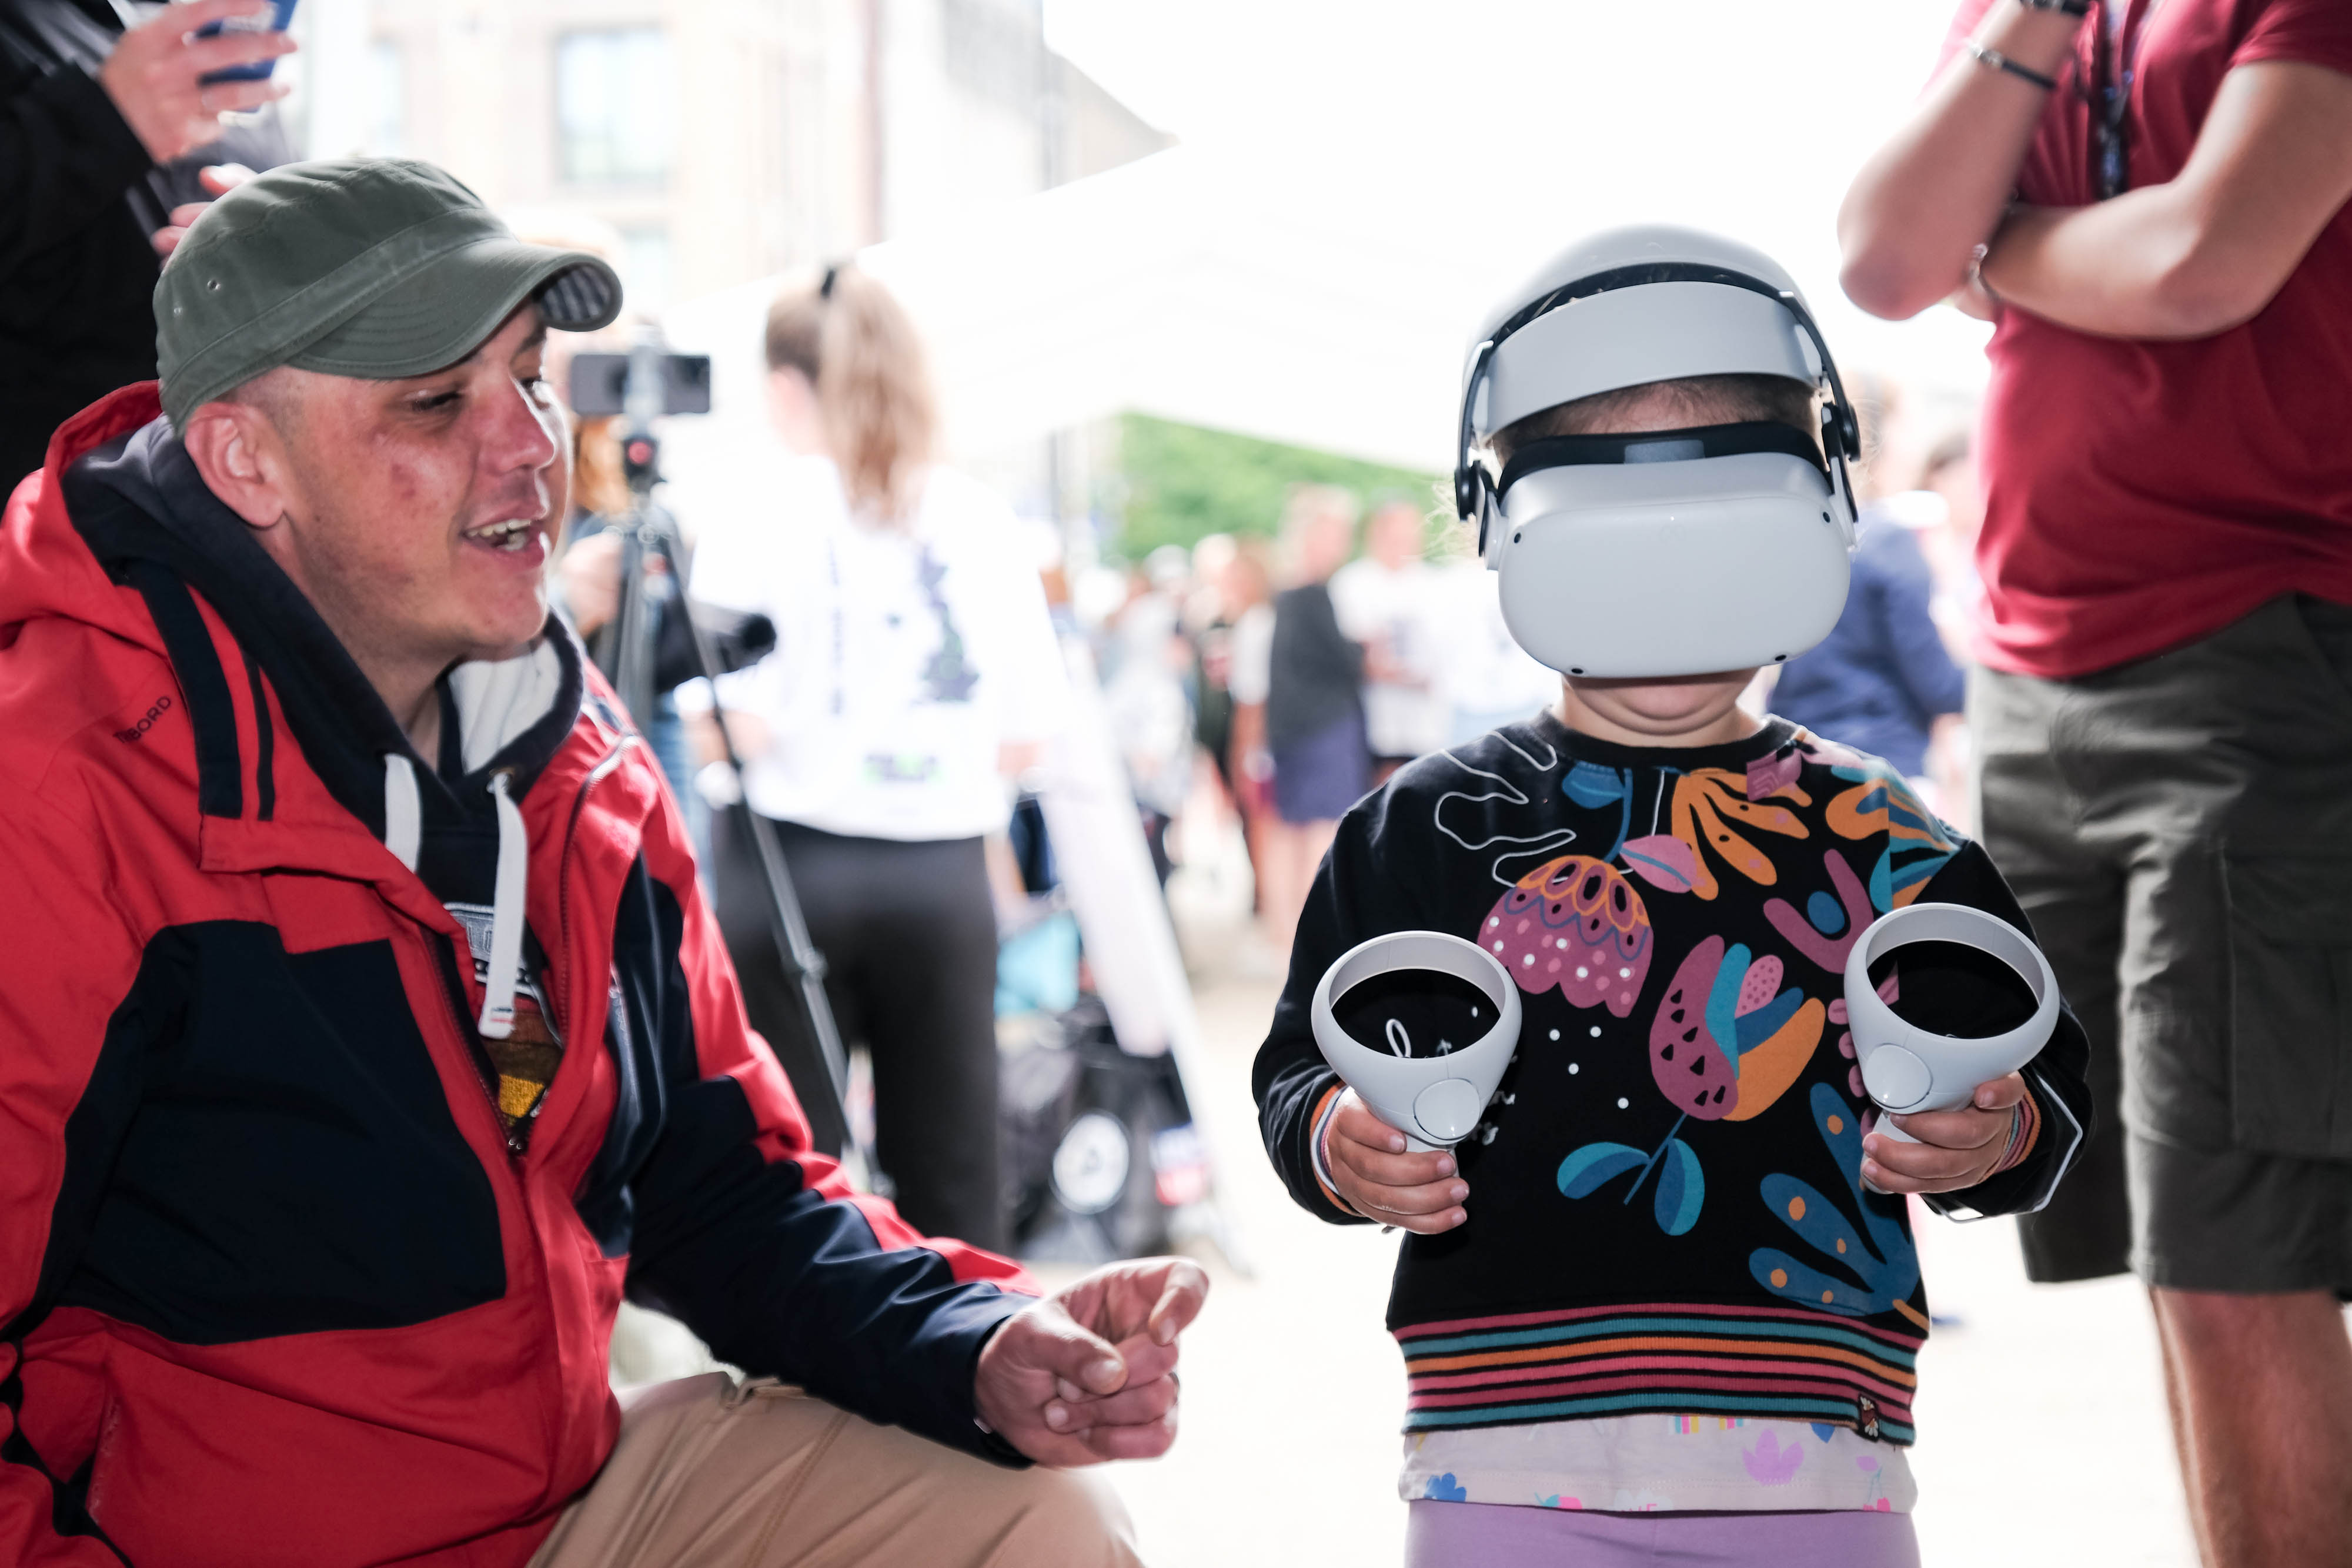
(712, 1474)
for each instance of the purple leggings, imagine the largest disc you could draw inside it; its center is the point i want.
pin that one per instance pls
(1460, 1534)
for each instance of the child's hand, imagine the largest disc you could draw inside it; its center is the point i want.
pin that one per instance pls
(1956, 1148)
(1371, 1170)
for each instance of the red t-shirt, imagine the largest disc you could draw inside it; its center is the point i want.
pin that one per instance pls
(2139, 496)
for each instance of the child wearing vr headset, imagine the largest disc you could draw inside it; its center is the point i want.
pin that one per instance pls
(1669, 1271)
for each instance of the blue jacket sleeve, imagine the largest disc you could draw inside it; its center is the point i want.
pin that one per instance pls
(754, 1239)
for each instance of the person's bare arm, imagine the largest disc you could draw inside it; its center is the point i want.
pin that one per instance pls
(2202, 253)
(1936, 190)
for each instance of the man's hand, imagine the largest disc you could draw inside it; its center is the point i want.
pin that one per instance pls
(220, 179)
(152, 75)
(1371, 1170)
(1955, 1149)
(1089, 1373)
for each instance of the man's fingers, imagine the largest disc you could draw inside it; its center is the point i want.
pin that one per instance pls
(1390, 1170)
(220, 179)
(1145, 1442)
(1181, 1299)
(1137, 1405)
(1053, 1342)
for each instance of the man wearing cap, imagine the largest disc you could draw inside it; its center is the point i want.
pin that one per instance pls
(365, 1038)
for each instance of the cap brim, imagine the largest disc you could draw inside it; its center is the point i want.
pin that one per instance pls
(443, 311)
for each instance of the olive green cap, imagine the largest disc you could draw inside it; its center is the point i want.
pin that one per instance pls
(373, 268)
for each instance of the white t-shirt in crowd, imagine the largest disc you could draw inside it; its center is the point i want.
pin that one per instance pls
(905, 656)
(1250, 674)
(1404, 609)
(1488, 680)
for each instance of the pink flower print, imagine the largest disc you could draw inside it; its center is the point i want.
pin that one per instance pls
(1772, 1463)
(1727, 1040)
(1828, 928)
(1578, 924)
(1767, 776)
(1890, 991)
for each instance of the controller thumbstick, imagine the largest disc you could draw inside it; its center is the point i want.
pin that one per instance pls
(1447, 1109)
(1897, 1079)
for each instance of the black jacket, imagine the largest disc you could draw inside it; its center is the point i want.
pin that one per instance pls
(78, 198)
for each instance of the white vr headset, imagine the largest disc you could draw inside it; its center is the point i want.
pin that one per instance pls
(1676, 552)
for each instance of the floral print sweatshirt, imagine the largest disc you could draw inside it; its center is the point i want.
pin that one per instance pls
(1666, 1212)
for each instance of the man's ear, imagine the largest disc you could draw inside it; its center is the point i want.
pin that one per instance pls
(237, 450)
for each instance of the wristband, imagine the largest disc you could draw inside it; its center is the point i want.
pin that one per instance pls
(2077, 8)
(2001, 62)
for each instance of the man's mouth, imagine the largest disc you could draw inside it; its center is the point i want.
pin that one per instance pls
(512, 534)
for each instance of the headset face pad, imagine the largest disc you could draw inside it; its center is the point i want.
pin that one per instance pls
(1653, 570)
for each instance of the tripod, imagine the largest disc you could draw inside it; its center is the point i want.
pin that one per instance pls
(650, 568)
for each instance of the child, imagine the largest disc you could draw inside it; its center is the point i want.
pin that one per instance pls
(1653, 1281)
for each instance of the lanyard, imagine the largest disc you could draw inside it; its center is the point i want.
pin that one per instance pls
(2114, 69)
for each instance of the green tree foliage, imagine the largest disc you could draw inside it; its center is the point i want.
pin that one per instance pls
(1182, 482)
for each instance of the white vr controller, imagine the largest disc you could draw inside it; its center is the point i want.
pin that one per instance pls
(1435, 1100)
(1907, 1068)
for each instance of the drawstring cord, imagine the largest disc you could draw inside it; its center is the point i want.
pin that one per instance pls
(506, 913)
(404, 812)
(403, 829)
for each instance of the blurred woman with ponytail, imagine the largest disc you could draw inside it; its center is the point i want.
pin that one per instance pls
(916, 673)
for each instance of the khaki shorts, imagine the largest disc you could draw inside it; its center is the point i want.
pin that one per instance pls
(710, 1473)
(2180, 831)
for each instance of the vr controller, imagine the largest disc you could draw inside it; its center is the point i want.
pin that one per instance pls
(1433, 1100)
(1907, 1068)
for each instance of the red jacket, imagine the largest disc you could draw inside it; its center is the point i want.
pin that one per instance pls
(275, 1288)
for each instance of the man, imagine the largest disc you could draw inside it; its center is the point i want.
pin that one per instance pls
(1390, 599)
(2150, 200)
(109, 143)
(365, 1036)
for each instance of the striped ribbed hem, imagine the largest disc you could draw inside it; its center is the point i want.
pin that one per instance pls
(1671, 1358)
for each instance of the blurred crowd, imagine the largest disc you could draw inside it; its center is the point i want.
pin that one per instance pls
(1274, 677)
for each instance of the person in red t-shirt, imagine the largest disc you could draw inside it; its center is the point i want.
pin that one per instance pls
(2148, 197)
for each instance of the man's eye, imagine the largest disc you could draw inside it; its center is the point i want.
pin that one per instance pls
(436, 401)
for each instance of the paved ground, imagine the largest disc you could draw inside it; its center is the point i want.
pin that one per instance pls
(2042, 1429)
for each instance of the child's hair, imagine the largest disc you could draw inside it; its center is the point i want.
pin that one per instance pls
(860, 352)
(1692, 401)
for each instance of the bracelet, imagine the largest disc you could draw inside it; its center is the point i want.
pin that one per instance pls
(2001, 62)
(2070, 8)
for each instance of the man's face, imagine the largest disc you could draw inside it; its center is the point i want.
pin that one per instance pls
(420, 513)
(1395, 533)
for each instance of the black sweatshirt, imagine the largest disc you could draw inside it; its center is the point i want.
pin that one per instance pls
(1666, 1212)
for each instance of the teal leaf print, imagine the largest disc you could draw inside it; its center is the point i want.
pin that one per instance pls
(1876, 1273)
(1682, 1188)
(1581, 1174)
(1591, 785)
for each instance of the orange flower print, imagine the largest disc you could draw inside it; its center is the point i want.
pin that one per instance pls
(1703, 799)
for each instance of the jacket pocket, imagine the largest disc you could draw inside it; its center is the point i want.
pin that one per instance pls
(2291, 1003)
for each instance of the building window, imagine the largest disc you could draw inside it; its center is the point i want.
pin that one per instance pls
(645, 268)
(616, 119)
(387, 103)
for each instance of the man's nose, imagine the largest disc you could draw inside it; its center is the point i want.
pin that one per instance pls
(522, 435)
